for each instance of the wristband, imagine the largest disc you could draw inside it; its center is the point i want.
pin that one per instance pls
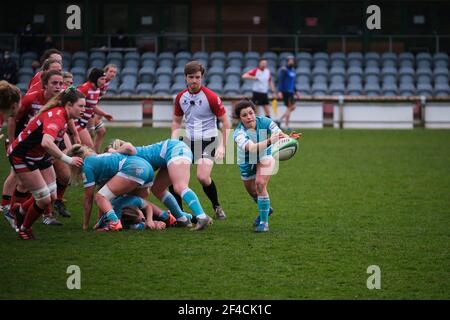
(65, 158)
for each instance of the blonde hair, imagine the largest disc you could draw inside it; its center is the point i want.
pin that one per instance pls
(81, 151)
(67, 75)
(115, 144)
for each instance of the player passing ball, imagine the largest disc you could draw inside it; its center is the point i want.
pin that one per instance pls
(254, 136)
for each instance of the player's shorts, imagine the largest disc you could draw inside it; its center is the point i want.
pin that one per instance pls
(260, 99)
(288, 98)
(205, 148)
(174, 150)
(248, 170)
(137, 170)
(27, 164)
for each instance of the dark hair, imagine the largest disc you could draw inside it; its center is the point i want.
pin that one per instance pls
(96, 74)
(193, 67)
(9, 94)
(48, 53)
(245, 103)
(130, 216)
(71, 94)
(48, 74)
(48, 62)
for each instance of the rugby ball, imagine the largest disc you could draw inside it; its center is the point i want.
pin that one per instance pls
(285, 148)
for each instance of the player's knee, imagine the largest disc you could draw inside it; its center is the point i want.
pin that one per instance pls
(204, 179)
(101, 132)
(179, 187)
(260, 185)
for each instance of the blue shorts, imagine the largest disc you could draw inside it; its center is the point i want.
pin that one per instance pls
(176, 150)
(138, 170)
(248, 171)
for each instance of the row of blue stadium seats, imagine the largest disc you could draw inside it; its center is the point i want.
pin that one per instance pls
(248, 59)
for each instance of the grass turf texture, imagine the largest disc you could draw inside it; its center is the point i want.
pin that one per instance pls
(349, 199)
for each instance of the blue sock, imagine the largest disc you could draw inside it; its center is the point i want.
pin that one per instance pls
(171, 203)
(264, 207)
(164, 215)
(192, 201)
(111, 215)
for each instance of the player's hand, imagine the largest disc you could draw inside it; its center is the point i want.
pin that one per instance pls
(275, 137)
(295, 135)
(1, 136)
(159, 225)
(220, 153)
(77, 162)
(108, 117)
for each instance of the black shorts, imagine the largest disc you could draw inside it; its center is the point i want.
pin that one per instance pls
(260, 99)
(205, 148)
(23, 164)
(288, 98)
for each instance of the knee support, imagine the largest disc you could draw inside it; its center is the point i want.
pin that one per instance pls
(41, 193)
(106, 193)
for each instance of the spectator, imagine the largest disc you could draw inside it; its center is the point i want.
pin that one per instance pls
(47, 44)
(286, 89)
(8, 69)
(27, 39)
(120, 40)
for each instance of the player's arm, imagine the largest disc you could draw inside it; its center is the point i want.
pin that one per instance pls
(74, 131)
(102, 113)
(225, 131)
(87, 205)
(49, 145)
(127, 148)
(250, 146)
(250, 75)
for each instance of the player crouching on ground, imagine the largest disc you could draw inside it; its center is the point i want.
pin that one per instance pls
(116, 174)
(250, 137)
(32, 152)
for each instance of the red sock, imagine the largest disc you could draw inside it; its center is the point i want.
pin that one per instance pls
(60, 191)
(26, 205)
(33, 213)
(48, 211)
(6, 200)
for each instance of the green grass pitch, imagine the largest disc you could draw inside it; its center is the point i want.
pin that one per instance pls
(347, 200)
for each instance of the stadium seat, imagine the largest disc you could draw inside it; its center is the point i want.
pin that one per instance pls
(127, 89)
(282, 57)
(144, 89)
(80, 59)
(128, 72)
(251, 59)
(200, 55)
(161, 89)
(113, 88)
(406, 74)
(424, 60)
(354, 75)
(372, 75)
(27, 58)
(148, 59)
(354, 59)
(320, 59)
(389, 59)
(25, 74)
(338, 59)
(23, 86)
(272, 58)
(217, 87)
(441, 90)
(440, 75)
(231, 89)
(354, 89)
(337, 74)
(78, 71)
(304, 88)
(389, 75)
(319, 89)
(233, 74)
(424, 89)
(371, 59)
(234, 59)
(129, 80)
(178, 74)
(406, 59)
(97, 55)
(114, 57)
(337, 88)
(146, 75)
(372, 89)
(407, 89)
(440, 59)
(164, 74)
(320, 74)
(246, 88)
(218, 55)
(215, 74)
(217, 63)
(303, 59)
(424, 75)
(303, 75)
(389, 89)
(77, 80)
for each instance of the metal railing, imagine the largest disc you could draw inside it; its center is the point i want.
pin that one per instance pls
(212, 42)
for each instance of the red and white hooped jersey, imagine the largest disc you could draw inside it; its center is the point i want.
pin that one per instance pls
(92, 96)
(263, 77)
(30, 104)
(104, 89)
(200, 110)
(28, 142)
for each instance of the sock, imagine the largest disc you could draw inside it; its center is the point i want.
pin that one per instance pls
(164, 215)
(211, 193)
(6, 200)
(27, 204)
(111, 216)
(60, 189)
(264, 206)
(256, 201)
(177, 197)
(32, 214)
(171, 203)
(193, 203)
(48, 211)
